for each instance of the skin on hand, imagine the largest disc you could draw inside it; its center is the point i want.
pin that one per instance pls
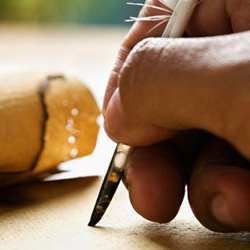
(184, 105)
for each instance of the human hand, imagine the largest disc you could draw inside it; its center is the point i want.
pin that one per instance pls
(172, 100)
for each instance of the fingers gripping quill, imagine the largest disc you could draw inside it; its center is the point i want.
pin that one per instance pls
(183, 7)
(152, 20)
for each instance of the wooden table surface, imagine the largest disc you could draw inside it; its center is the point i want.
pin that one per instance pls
(54, 215)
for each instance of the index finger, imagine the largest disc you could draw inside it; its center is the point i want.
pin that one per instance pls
(139, 31)
(210, 18)
(159, 11)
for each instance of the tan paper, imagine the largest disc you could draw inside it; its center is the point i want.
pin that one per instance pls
(51, 216)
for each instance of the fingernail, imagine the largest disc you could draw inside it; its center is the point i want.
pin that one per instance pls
(114, 76)
(221, 211)
(112, 87)
(114, 118)
(109, 121)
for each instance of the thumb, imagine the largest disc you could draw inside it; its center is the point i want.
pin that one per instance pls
(168, 85)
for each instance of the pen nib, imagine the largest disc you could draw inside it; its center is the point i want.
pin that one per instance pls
(95, 218)
(110, 183)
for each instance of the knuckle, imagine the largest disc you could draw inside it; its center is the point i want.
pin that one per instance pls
(138, 75)
(137, 54)
(116, 121)
(142, 57)
(132, 74)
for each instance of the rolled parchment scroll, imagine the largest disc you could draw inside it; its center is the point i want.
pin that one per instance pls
(44, 121)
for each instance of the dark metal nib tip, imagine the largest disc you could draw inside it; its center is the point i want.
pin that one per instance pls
(94, 220)
(91, 224)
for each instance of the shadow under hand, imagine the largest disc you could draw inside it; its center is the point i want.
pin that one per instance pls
(184, 235)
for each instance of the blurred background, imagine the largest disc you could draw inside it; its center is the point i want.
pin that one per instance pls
(77, 37)
(109, 12)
